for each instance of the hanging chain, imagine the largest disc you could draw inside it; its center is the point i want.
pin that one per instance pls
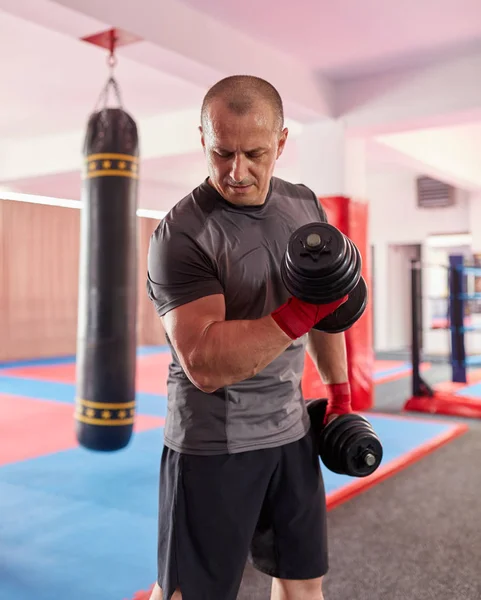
(112, 63)
(111, 81)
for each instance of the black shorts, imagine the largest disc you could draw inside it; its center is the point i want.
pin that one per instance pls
(215, 512)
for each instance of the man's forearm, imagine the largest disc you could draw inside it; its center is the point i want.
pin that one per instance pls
(328, 352)
(232, 351)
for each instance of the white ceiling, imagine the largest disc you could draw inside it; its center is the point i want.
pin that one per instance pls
(344, 38)
(449, 150)
(380, 66)
(53, 81)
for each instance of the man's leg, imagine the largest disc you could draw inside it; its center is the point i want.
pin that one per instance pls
(157, 594)
(285, 589)
(290, 541)
(208, 510)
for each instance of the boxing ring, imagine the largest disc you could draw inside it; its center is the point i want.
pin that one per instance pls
(461, 396)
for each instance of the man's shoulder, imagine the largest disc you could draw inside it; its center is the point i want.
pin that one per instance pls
(188, 215)
(185, 220)
(300, 196)
(192, 208)
(288, 189)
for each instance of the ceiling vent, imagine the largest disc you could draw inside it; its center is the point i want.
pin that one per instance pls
(432, 193)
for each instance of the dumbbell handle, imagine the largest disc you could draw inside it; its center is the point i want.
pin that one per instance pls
(369, 459)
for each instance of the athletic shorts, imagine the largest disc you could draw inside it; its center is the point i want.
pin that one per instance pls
(215, 512)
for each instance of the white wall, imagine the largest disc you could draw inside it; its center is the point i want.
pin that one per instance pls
(394, 219)
(399, 294)
(475, 219)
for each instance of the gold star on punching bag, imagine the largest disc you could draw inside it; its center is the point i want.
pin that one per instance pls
(122, 164)
(106, 414)
(92, 166)
(106, 164)
(90, 412)
(122, 414)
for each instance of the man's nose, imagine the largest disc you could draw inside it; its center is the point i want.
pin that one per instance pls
(238, 170)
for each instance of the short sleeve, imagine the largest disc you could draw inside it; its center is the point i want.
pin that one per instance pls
(322, 212)
(178, 271)
(319, 207)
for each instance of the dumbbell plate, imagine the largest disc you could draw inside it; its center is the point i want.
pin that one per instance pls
(330, 437)
(316, 409)
(344, 444)
(321, 264)
(348, 313)
(343, 281)
(321, 259)
(355, 446)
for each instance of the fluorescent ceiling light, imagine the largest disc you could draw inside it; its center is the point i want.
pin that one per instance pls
(450, 239)
(65, 203)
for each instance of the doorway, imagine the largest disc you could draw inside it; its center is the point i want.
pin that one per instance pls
(399, 294)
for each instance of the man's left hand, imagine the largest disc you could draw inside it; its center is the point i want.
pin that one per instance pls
(339, 400)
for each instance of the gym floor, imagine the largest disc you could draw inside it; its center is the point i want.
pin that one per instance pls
(83, 524)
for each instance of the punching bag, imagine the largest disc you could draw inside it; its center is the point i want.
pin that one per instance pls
(106, 333)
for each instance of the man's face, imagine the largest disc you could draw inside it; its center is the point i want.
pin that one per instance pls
(241, 151)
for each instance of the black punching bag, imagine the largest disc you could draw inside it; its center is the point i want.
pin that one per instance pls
(106, 334)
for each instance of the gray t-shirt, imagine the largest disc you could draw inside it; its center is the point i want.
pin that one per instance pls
(204, 246)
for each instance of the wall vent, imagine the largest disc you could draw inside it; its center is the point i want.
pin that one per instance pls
(432, 193)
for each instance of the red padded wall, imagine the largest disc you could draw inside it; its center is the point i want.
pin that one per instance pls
(351, 217)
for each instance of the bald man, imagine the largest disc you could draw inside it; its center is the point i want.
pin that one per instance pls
(240, 475)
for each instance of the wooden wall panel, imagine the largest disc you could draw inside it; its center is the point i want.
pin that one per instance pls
(150, 330)
(39, 280)
(39, 255)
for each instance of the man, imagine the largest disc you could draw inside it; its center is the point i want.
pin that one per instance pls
(239, 473)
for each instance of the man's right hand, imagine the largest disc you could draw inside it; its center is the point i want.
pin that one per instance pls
(296, 318)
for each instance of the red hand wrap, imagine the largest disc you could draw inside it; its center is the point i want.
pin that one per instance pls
(339, 398)
(296, 318)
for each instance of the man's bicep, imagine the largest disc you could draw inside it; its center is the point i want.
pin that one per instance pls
(187, 324)
(183, 285)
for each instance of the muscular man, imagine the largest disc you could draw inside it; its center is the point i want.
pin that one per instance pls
(240, 477)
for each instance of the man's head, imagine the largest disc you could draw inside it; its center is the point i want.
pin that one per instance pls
(243, 134)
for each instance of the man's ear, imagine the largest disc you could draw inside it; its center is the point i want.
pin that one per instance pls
(282, 142)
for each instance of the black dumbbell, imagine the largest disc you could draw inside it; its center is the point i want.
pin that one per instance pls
(348, 445)
(348, 313)
(321, 265)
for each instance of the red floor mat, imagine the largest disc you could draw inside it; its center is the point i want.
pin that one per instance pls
(382, 365)
(31, 428)
(64, 373)
(473, 376)
(151, 373)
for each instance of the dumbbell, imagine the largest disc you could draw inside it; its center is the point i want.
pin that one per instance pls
(321, 265)
(348, 444)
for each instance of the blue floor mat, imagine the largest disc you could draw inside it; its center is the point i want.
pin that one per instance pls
(147, 404)
(82, 525)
